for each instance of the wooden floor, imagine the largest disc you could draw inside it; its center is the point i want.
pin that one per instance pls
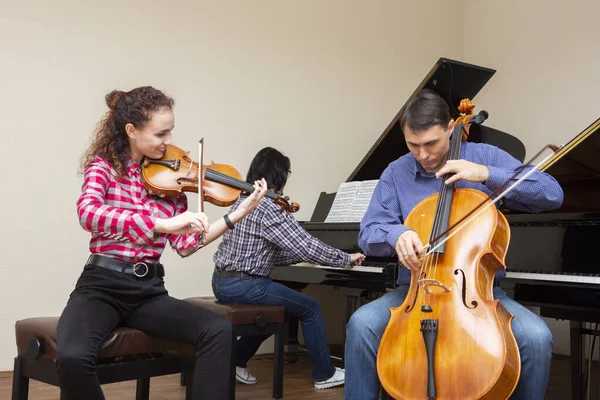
(297, 384)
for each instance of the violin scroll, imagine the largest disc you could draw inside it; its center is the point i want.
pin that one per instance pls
(284, 202)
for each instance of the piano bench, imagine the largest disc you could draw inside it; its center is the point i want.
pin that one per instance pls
(128, 354)
(251, 320)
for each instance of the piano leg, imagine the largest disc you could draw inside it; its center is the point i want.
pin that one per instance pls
(576, 360)
(351, 306)
(354, 299)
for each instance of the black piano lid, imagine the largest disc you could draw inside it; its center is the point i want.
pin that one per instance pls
(576, 167)
(453, 81)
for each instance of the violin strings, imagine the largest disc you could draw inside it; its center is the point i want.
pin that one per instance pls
(230, 181)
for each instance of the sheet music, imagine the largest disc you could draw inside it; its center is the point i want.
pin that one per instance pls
(351, 201)
(361, 201)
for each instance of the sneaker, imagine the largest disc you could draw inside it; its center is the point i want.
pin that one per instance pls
(244, 376)
(336, 380)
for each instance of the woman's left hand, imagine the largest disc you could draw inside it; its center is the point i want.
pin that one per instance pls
(252, 201)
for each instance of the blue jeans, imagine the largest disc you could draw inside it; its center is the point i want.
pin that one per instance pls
(367, 324)
(253, 289)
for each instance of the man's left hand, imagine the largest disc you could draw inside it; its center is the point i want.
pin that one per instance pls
(464, 169)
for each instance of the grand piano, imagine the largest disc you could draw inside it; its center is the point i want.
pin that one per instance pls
(549, 261)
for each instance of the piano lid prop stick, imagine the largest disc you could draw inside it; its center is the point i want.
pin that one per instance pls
(457, 227)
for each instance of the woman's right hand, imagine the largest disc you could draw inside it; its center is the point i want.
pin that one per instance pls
(183, 224)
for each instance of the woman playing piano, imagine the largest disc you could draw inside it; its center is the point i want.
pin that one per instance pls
(269, 236)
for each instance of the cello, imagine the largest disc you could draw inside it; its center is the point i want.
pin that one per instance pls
(466, 349)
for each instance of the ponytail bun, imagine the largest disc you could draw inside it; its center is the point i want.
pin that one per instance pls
(113, 98)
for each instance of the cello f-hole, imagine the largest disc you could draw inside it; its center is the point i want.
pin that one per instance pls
(474, 303)
(410, 307)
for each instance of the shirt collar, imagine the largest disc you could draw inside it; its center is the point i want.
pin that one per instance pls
(133, 168)
(418, 170)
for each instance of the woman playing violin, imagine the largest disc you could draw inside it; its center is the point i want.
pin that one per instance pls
(271, 236)
(122, 281)
(427, 128)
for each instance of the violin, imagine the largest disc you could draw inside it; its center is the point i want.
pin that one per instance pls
(466, 348)
(221, 184)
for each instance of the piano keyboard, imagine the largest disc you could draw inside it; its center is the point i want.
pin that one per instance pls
(531, 276)
(357, 268)
(535, 276)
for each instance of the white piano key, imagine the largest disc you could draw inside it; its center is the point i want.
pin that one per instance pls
(359, 268)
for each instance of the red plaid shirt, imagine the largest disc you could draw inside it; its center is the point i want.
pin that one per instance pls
(121, 215)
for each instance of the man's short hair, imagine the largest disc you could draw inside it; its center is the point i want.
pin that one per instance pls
(425, 110)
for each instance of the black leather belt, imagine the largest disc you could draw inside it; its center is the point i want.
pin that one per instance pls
(141, 269)
(232, 274)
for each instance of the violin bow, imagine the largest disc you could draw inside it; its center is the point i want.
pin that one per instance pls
(200, 183)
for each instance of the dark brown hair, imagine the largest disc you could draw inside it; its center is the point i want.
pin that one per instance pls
(134, 107)
(425, 110)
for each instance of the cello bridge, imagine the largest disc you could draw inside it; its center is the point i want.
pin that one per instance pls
(426, 284)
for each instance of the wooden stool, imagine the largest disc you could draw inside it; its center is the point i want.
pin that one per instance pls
(128, 354)
(251, 320)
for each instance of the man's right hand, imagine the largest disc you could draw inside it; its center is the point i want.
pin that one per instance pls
(409, 248)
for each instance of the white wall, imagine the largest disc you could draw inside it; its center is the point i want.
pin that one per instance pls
(317, 80)
(548, 80)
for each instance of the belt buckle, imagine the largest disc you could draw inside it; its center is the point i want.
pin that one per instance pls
(138, 274)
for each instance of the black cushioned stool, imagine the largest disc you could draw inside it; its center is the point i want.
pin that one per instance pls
(128, 354)
(251, 320)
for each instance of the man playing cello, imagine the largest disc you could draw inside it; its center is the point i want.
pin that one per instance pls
(427, 127)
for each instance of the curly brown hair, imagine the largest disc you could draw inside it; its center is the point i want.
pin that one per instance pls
(134, 107)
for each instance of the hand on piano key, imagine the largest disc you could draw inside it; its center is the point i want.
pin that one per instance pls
(356, 259)
(357, 268)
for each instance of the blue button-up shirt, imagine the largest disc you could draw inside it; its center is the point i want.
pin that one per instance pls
(404, 183)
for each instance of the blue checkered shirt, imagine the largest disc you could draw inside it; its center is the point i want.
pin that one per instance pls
(404, 183)
(270, 236)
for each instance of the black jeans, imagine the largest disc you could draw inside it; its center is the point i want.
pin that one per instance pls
(103, 300)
